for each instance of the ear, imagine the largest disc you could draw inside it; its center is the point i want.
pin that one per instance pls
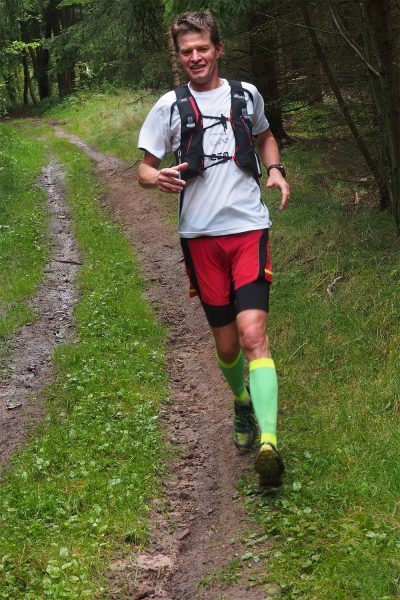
(219, 50)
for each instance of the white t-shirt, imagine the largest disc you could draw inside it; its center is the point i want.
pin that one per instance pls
(225, 199)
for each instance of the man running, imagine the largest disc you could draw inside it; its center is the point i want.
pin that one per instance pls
(211, 125)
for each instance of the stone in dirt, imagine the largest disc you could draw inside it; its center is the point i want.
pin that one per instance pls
(157, 563)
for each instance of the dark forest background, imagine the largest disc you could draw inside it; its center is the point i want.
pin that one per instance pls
(342, 58)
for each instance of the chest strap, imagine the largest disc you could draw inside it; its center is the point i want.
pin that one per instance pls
(192, 133)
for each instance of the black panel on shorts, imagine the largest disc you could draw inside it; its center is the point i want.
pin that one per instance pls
(218, 316)
(253, 295)
(262, 253)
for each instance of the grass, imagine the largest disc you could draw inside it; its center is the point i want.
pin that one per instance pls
(80, 490)
(229, 575)
(23, 229)
(111, 122)
(335, 523)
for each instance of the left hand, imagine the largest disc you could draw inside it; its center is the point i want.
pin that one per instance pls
(276, 180)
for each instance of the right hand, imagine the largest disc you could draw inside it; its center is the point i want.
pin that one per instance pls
(168, 180)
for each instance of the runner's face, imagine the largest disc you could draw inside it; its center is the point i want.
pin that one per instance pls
(199, 58)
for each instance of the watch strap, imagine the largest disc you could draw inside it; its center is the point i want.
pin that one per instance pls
(278, 166)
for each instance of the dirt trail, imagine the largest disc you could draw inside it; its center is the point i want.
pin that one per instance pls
(204, 513)
(30, 368)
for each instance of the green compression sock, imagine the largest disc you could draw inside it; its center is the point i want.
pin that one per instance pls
(234, 374)
(264, 396)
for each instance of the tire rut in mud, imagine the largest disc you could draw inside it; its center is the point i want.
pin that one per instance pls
(193, 537)
(30, 366)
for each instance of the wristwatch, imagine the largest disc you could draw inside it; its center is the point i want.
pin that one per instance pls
(278, 166)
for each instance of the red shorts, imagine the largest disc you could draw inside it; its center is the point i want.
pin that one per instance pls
(229, 273)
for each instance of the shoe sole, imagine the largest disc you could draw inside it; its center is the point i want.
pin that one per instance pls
(269, 468)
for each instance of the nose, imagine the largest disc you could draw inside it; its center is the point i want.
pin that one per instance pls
(195, 56)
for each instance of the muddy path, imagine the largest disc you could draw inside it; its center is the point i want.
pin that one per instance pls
(201, 530)
(30, 367)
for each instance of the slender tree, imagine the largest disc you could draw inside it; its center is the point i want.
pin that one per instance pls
(173, 59)
(265, 67)
(377, 51)
(354, 129)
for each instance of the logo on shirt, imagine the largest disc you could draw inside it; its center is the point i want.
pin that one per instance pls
(218, 141)
(220, 156)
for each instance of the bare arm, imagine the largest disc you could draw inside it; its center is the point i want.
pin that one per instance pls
(167, 180)
(269, 154)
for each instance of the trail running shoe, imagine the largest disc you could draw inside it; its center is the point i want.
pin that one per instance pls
(245, 430)
(269, 466)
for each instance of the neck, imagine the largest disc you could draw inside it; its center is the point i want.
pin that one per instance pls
(207, 86)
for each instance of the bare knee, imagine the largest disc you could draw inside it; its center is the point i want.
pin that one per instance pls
(252, 333)
(253, 340)
(228, 355)
(227, 342)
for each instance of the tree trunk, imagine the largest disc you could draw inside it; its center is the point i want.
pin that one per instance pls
(176, 78)
(40, 59)
(43, 80)
(62, 19)
(264, 70)
(314, 75)
(264, 60)
(380, 40)
(27, 81)
(40, 62)
(66, 81)
(377, 174)
(10, 87)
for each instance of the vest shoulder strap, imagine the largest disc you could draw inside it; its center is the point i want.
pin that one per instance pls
(236, 86)
(189, 111)
(182, 91)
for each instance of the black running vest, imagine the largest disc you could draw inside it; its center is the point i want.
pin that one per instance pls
(192, 132)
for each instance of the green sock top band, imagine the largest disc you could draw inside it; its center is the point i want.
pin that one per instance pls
(243, 397)
(229, 365)
(261, 362)
(268, 437)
